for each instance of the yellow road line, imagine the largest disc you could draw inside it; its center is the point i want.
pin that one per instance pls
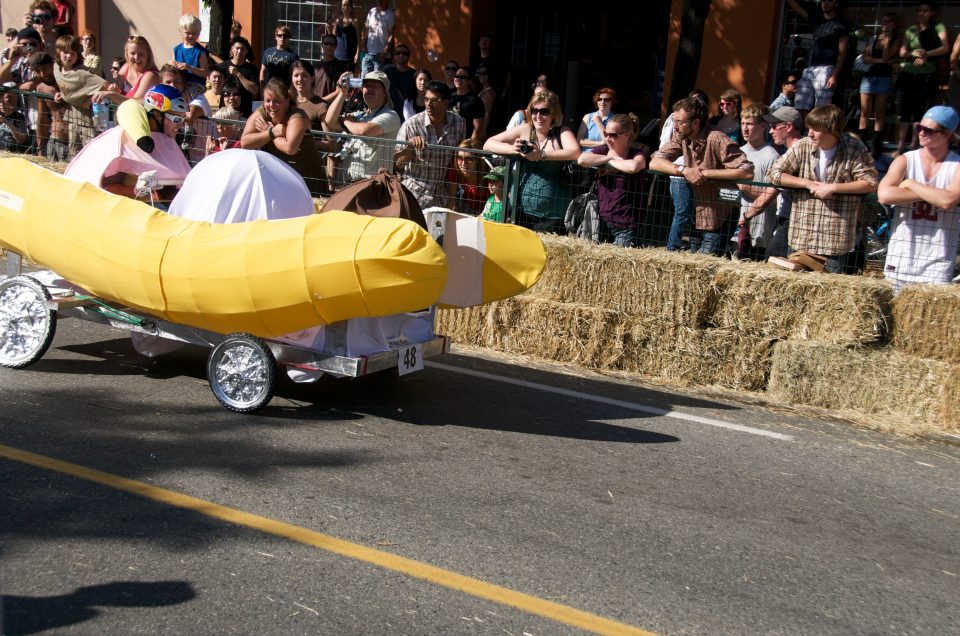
(439, 576)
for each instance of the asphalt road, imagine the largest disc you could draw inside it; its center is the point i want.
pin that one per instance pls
(582, 493)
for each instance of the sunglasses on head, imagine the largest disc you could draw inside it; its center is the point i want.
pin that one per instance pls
(540, 111)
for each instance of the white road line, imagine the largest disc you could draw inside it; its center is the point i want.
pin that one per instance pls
(633, 406)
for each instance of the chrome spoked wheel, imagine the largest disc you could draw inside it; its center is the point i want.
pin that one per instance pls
(26, 324)
(242, 373)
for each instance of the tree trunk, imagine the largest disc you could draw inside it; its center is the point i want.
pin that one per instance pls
(687, 64)
(221, 17)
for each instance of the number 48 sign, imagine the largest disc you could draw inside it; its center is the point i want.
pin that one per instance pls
(409, 359)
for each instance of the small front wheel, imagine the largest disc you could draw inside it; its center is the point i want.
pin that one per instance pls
(242, 373)
(27, 326)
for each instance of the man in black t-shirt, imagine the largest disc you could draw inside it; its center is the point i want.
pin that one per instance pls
(830, 39)
(403, 87)
(466, 104)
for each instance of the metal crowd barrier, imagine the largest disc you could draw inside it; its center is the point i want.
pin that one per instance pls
(524, 198)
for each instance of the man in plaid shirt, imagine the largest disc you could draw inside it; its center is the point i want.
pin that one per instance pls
(425, 169)
(830, 171)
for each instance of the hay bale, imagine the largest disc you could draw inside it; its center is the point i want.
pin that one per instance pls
(925, 320)
(783, 305)
(907, 392)
(56, 166)
(690, 356)
(562, 332)
(646, 283)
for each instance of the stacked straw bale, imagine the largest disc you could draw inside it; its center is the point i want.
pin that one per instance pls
(645, 283)
(879, 382)
(925, 322)
(778, 304)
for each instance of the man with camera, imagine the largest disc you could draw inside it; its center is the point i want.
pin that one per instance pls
(362, 158)
(16, 68)
(425, 169)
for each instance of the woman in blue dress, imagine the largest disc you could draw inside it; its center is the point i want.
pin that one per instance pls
(590, 134)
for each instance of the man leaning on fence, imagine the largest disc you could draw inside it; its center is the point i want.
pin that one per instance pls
(829, 172)
(709, 156)
(425, 169)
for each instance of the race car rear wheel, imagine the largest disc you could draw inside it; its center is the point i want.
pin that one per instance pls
(27, 326)
(242, 373)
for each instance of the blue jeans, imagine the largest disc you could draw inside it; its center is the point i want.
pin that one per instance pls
(370, 63)
(710, 243)
(682, 195)
(619, 236)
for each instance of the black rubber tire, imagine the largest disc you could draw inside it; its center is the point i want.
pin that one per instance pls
(22, 307)
(242, 373)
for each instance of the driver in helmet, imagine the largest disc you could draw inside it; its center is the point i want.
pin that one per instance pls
(163, 111)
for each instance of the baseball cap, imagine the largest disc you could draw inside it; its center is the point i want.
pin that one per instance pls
(495, 174)
(945, 116)
(785, 114)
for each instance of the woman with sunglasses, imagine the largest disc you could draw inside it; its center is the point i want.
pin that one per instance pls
(592, 125)
(545, 145)
(91, 59)
(620, 178)
(283, 130)
(728, 121)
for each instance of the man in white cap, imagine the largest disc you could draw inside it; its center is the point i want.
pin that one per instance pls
(924, 185)
(364, 158)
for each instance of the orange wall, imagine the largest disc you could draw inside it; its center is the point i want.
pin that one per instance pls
(441, 25)
(739, 46)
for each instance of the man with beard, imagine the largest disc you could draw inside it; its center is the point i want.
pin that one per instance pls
(709, 156)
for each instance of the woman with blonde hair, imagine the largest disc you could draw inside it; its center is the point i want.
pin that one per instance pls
(620, 165)
(137, 75)
(465, 180)
(545, 145)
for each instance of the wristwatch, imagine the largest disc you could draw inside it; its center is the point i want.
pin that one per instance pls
(270, 133)
(680, 170)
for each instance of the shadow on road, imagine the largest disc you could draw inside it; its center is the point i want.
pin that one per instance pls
(30, 615)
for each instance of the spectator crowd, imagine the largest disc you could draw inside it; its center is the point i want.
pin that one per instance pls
(751, 180)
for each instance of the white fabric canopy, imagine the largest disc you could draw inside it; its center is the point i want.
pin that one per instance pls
(234, 186)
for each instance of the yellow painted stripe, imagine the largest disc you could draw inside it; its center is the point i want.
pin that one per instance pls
(439, 576)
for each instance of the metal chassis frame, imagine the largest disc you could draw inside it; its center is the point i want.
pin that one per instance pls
(68, 306)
